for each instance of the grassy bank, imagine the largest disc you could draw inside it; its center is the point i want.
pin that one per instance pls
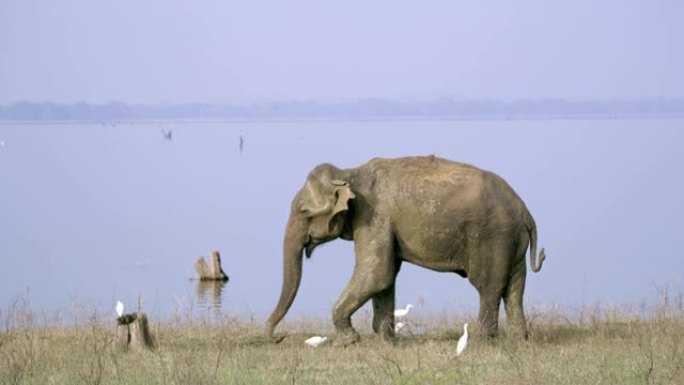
(598, 347)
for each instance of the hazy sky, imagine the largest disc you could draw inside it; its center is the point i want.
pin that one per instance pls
(244, 51)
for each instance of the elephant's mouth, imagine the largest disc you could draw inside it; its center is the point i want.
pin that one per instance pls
(310, 245)
(313, 242)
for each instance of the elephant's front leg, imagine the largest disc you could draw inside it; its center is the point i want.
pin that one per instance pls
(383, 307)
(373, 276)
(383, 312)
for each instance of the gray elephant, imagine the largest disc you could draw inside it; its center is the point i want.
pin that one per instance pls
(432, 212)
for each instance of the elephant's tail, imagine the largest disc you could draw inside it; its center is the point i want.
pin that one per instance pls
(535, 262)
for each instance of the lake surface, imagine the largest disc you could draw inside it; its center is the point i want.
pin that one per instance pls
(92, 213)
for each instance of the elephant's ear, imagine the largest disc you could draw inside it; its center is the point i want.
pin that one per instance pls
(343, 193)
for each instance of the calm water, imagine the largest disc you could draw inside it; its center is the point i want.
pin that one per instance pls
(92, 213)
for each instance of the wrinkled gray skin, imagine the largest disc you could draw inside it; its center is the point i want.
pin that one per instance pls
(435, 213)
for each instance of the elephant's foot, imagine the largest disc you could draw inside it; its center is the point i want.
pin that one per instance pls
(488, 333)
(519, 333)
(384, 328)
(388, 337)
(488, 329)
(484, 332)
(346, 338)
(387, 333)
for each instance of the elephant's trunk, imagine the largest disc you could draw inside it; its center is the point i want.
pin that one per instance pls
(293, 245)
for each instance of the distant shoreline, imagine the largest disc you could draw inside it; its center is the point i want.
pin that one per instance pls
(363, 110)
(341, 119)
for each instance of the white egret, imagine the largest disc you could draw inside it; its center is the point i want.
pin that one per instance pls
(315, 341)
(119, 308)
(398, 326)
(402, 312)
(463, 341)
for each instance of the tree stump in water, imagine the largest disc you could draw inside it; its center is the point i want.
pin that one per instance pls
(134, 332)
(213, 271)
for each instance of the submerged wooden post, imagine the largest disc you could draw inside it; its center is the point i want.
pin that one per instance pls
(209, 293)
(134, 332)
(213, 271)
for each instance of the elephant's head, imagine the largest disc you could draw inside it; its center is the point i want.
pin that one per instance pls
(319, 213)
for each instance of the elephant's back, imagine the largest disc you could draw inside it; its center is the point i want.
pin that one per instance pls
(425, 177)
(429, 184)
(430, 166)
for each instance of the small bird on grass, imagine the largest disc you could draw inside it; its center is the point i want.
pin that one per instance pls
(315, 341)
(463, 341)
(402, 312)
(398, 326)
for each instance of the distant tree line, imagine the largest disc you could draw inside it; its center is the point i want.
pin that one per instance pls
(366, 108)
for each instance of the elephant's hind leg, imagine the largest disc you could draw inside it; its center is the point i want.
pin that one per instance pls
(489, 275)
(513, 299)
(489, 312)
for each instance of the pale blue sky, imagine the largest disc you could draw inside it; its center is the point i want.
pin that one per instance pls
(244, 51)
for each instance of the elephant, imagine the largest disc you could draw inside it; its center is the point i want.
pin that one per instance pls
(429, 211)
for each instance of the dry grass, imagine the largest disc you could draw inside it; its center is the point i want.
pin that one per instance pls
(596, 347)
